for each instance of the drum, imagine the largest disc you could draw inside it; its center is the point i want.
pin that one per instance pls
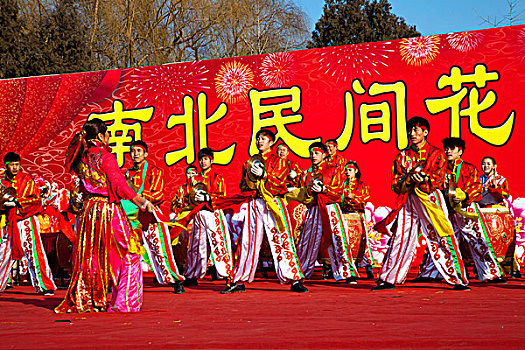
(500, 225)
(356, 230)
(64, 250)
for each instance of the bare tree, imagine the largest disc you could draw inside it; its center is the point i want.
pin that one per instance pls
(514, 15)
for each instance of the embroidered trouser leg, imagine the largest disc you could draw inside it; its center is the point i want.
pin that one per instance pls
(259, 221)
(33, 249)
(209, 227)
(158, 247)
(412, 219)
(6, 262)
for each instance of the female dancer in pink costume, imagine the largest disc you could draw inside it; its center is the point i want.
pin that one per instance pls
(107, 247)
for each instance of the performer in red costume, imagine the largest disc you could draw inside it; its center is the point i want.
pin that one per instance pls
(147, 180)
(463, 189)
(335, 158)
(293, 177)
(495, 187)
(182, 195)
(210, 228)
(355, 195)
(21, 236)
(266, 214)
(418, 175)
(324, 226)
(107, 249)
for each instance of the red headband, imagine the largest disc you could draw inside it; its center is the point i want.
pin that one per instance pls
(351, 167)
(331, 143)
(140, 146)
(317, 149)
(282, 145)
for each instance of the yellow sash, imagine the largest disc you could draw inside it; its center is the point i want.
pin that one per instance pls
(436, 214)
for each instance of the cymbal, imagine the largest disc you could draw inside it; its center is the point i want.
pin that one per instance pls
(251, 179)
(196, 187)
(5, 194)
(314, 177)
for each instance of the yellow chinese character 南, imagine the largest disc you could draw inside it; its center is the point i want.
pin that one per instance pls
(186, 118)
(496, 135)
(260, 107)
(124, 122)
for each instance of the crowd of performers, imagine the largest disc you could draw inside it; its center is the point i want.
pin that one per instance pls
(113, 220)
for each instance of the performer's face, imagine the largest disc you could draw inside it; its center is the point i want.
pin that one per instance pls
(104, 138)
(283, 152)
(417, 135)
(138, 154)
(317, 157)
(351, 172)
(488, 166)
(13, 169)
(332, 148)
(264, 143)
(453, 153)
(190, 173)
(205, 163)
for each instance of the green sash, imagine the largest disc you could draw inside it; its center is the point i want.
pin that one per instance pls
(130, 208)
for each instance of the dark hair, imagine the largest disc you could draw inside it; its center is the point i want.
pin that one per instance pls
(418, 121)
(191, 166)
(355, 165)
(489, 157)
(94, 127)
(11, 157)
(320, 145)
(331, 141)
(205, 152)
(453, 142)
(140, 143)
(266, 132)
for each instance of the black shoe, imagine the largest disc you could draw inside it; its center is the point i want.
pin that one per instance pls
(383, 286)
(461, 287)
(298, 287)
(234, 288)
(9, 286)
(213, 273)
(178, 287)
(497, 280)
(516, 274)
(48, 292)
(190, 282)
(351, 280)
(369, 272)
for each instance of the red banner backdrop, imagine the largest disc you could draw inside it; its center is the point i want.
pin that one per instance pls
(467, 84)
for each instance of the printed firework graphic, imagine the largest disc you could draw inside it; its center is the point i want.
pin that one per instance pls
(278, 69)
(165, 86)
(464, 41)
(233, 81)
(355, 61)
(420, 50)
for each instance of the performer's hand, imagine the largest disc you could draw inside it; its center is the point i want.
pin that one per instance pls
(292, 174)
(10, 204)
(202, 196)
(417, 177)
(257, 169)
(150, 207)
(318, 186)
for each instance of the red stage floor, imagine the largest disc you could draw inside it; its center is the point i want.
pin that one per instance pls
(332, 315)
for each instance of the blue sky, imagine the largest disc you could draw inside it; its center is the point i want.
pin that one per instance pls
(435, 16)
